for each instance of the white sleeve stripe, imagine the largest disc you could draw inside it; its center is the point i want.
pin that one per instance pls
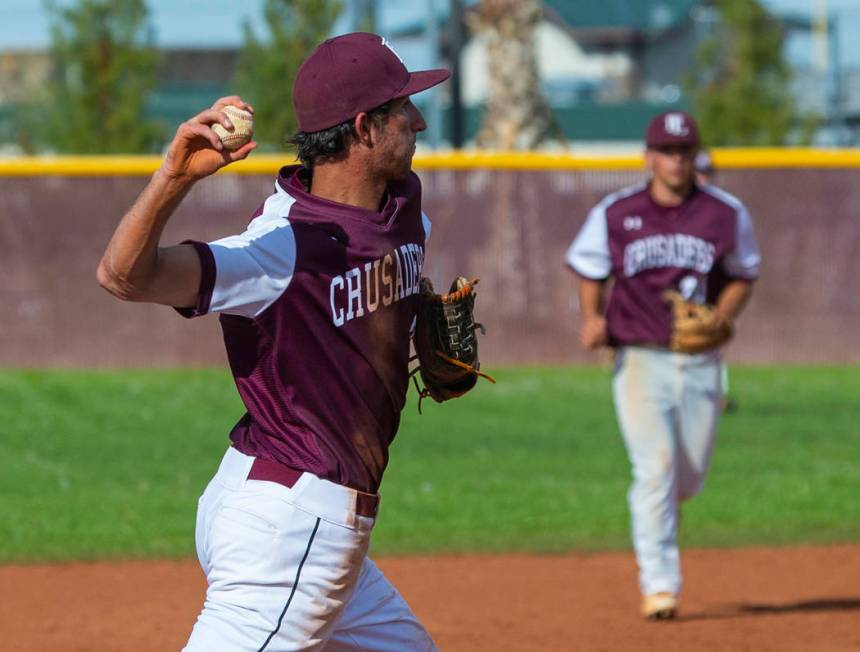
(588, 255)
(254, 268)
(722, 195)
(428, 225)
(744, 260)
(589, 252)
(618, 195)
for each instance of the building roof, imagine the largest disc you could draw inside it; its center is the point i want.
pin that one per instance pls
(655, 16)
(606, 23)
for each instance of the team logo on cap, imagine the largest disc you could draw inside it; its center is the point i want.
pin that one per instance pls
(676, 124)
(388, 45)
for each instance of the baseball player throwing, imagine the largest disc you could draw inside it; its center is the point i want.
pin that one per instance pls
(317, 298)
(669, 234)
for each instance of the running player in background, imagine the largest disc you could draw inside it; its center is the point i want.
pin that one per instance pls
(703, 165)
(670, 233)
(317, 298)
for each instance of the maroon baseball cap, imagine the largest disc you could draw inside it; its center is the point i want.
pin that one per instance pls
(672, 128)
(352, 73)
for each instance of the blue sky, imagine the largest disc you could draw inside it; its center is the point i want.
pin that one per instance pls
(201, 23)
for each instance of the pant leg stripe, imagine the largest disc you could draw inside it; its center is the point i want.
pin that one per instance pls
(295, 586)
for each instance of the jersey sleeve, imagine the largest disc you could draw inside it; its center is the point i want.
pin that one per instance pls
(245, 274)
(744, 260)
(588, 255)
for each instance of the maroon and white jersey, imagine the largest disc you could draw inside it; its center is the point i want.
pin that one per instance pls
(317, 300)
(695, 248)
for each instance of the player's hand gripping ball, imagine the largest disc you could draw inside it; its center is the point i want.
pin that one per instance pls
(243, 128)
(695, 327)
(445, 341)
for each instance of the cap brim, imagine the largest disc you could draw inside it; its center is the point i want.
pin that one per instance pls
(673, 141)
(421, 80)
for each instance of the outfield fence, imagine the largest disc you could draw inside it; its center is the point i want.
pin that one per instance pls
(507, 218)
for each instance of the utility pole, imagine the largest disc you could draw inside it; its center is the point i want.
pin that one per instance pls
(434, 112)
(456, 37)
(821, 60)
(837, 106)
(821, 31)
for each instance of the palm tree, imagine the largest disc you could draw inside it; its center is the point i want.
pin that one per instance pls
(517, 116)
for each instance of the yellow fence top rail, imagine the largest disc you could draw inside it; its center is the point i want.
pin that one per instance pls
(454, 160)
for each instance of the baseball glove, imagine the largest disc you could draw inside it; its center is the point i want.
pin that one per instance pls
(445, 342)
(695, 327)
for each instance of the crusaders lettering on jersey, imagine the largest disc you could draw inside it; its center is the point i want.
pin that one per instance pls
(385, 280)
(670, 250)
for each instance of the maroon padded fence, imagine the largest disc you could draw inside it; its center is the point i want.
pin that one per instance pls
(511, 228)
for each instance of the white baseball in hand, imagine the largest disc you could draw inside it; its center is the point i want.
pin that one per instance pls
(243, 128)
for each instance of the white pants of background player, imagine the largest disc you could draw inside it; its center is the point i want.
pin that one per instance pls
(288, 570)
(668, 406)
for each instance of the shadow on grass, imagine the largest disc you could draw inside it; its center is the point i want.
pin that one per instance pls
(765, 609)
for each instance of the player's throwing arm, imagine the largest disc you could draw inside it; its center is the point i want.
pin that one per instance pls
(134, 267)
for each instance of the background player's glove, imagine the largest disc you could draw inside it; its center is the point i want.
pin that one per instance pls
(445, 342)
(695, 327)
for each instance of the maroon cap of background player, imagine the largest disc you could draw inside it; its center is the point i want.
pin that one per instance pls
(352, 73)
(672, 128)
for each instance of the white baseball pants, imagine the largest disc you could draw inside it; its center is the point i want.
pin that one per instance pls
(668, 407)
(288, 570)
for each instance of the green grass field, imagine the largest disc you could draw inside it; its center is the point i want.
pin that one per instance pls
(110, 464)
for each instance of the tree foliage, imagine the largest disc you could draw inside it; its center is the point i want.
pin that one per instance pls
(267, 66)
(740, 82)
(104, 68)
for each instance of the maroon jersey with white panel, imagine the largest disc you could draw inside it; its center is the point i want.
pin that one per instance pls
(647, 248)
(318, 300)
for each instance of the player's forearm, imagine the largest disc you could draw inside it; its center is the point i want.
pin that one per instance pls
(733, 299)
(590, 297)
(130, 262)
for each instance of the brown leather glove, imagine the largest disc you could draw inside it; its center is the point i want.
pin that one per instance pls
(445, 341)
(695, 327)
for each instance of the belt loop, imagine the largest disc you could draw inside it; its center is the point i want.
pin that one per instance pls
(367, 504)
(274, 472)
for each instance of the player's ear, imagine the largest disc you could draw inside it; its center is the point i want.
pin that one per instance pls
(362, 129)
(649, 159)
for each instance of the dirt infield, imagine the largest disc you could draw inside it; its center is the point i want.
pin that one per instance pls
(750, 599)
